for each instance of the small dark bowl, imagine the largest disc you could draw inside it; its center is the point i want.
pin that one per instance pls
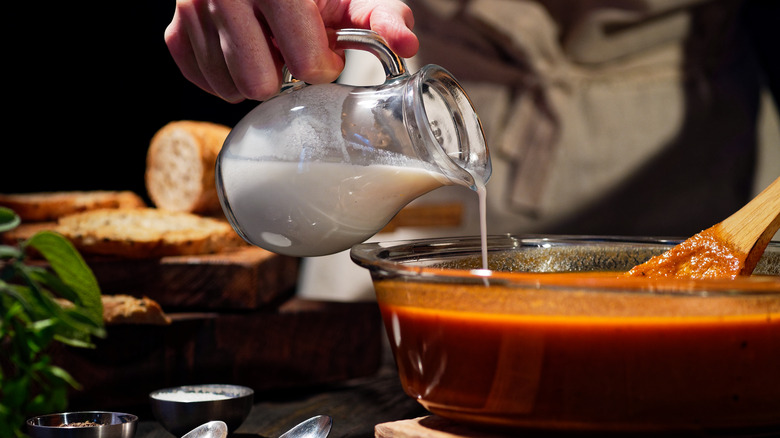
(179, 416)
(63, 425)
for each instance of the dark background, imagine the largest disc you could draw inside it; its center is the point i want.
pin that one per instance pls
(87, 86)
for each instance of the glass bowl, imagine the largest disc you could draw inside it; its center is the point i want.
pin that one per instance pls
(550, 338)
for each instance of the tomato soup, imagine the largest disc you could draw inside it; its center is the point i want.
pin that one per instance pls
(568, 359)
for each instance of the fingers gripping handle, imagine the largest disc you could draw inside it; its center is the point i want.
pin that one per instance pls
(361, 39)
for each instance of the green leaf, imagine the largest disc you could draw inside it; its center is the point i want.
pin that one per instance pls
(9, 252)
(43, 324)
(38, 305)
(41, 305)
(68, 264)
(63, 375)
(8, 219)
(14, 296)
(52, 282)
(15, 391)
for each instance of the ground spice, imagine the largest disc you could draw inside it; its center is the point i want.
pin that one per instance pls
(80, 424)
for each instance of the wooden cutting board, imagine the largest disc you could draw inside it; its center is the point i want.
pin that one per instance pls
(432, 427)
(298, 344)
(241, 278)
(245, 278)
(423, 216)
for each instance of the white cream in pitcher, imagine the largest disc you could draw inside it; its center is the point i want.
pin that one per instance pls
(319, 207)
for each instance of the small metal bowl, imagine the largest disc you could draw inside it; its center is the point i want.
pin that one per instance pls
(72, 425)
(183, 408)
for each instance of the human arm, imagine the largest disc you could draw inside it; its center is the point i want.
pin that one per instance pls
(235, 49)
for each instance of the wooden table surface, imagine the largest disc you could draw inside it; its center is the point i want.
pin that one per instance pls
(356, 407)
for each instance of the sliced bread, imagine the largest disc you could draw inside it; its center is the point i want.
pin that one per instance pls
(127, 309)
(146, 233)
(49, 206)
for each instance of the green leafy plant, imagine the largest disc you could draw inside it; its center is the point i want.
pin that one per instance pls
(41, 303)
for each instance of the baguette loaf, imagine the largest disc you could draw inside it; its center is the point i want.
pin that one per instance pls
(49, 206)
(180, 166)
(146, 233)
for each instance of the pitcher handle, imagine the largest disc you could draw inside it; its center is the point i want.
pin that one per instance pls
(360, 39)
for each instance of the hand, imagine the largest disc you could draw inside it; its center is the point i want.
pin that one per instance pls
(235, 49)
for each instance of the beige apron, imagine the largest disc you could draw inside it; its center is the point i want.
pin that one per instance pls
(603, 119)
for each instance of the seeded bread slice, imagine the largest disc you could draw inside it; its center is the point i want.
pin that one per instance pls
(49, 206)
(180, 165)
(146, 233)
(127, 309)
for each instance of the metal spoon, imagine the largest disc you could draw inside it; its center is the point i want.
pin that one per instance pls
(212, 429)
(315, 427)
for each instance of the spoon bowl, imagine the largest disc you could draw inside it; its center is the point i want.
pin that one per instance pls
(212, 429)
(314, 427)
(728, 249)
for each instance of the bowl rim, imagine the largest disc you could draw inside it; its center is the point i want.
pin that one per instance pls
(132, 418)
(391, 259)
(244, 391)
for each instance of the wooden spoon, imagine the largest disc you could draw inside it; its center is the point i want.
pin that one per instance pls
(725, 250)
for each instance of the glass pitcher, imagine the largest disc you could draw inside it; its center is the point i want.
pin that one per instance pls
(317, 169)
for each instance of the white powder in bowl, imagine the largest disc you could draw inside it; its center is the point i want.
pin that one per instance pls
(186, 396)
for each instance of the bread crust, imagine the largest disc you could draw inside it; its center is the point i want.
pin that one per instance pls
(146, 233)
(50, 206)
(180, 166)
(127, 309)
(25, 231)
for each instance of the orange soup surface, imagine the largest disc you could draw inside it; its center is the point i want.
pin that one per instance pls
(584, 360)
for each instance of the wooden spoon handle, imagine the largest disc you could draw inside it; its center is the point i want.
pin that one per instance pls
(749, 230)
